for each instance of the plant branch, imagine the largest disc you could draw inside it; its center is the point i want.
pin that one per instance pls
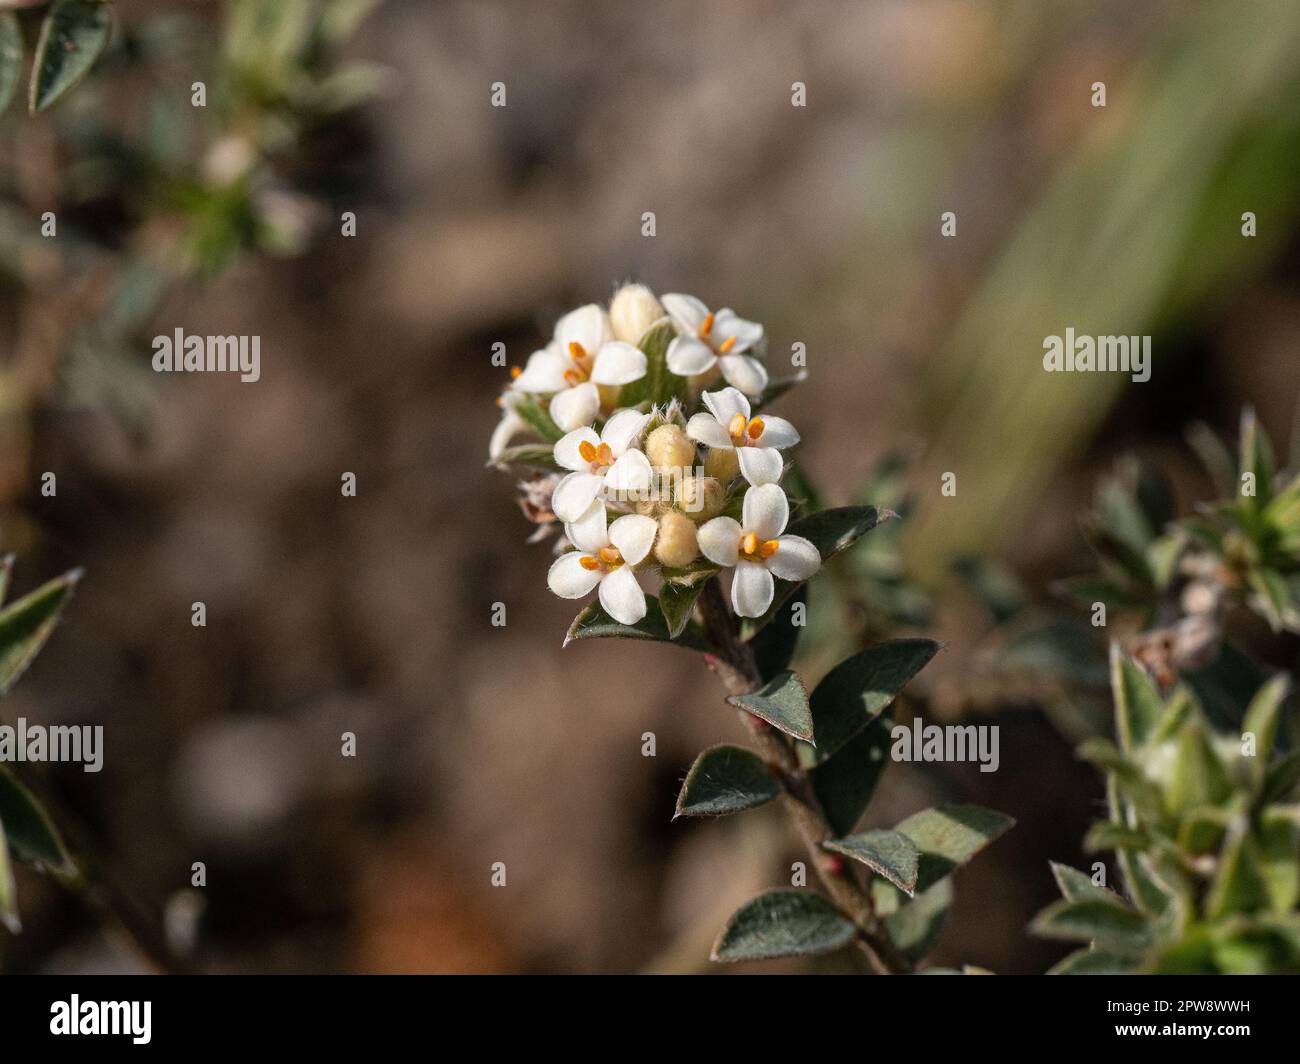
(735, 665)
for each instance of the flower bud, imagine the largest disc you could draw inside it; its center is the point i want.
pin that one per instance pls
(675, 545)
(700, 498)
(722, 465)
(670, 450)
(632, 311)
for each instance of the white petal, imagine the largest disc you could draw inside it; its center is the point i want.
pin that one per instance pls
(689, 357)
(727, 323)
(588, 326)
(706, 429)
(725, 404)
(745, 373)
(510, 425)
(795, 558)
(760, 465)
(566, 448)
(622, 429)
(777, 432)
(543, 373)
(622, 596)
(719, 540)
(766, 511)
(628, 479)
(687, 312)
(633, 535)
(574, 493)
(576, 406)
(618, 363)
(751, 590)
(569, 579)
(588, 531)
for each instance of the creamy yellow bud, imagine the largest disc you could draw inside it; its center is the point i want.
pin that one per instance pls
(669, 449)
(722, 464)
(700, 498)
(632, 311)
(675, 545)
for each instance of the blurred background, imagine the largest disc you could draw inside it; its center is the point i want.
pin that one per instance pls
(372, 614)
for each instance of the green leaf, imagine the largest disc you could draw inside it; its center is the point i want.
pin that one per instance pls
(1239, 885)
(1095, 920)
(1138, 705)
(859, 688)
(6, 575)
(774, 645)
(531, 410)
(8, 888)
(1279, 833)
(1261, 721)
(1078, 886)
(1256, 458)
(887, 853)
(783, 923)
(73, 35)
(830, 531)
(1282, 777)
(677, 603)
(783, 703)
(1273, 598)
(949, 836)
(914, 926)
(659, 384)
(726, 779)
(537, 455)
(697, 572)
(1199, 777)
(844, 783)
(1094, 962)
(32, 835)
(11, 57)
(595, 623)
(26, 624)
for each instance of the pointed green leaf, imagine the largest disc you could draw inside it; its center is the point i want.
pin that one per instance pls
(1256, 458)
(1273, 598)
(1138, 705)
(660, 384)
(1094, 962)
(11, 57)
(1078, 886)
(698, 572)
(595, 623)
(73, 35)
(8, 888)
(914, 925)
(6, 575)
(1282, 777)
(26, 624)
(783, 923)
(677, 603)
(1199, 777)
(949, 836)
(1261, 721)
(726, 779)
(830, 531)
(537, 455)
(1239, 885)
(887, 853)
(1279, 845)
(1095, 920)
(859, 688)
(783, 703)
(32, 835)
(530, 408)
(845, 782)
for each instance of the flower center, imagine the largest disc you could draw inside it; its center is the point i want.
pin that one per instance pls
(754, 551)
(706, 328)
(581, 368)
(604, 560)
(744, 431)
(596, 456)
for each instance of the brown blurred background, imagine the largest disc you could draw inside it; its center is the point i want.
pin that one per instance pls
(476, 224)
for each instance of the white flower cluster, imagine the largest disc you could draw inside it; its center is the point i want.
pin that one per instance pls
(646, 489)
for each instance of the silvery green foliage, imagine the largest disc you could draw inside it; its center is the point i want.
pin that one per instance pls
(647, 447)
(27, 834)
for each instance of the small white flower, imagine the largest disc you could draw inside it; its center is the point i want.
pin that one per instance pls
(607, 464)
(728, 426)
(510, 425)
(582, 355)
(706, 340)
(606, 558)
(758, 550)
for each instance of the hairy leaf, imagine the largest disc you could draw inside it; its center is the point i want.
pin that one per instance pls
(774, 645)
(845, 782)
(783, 703)
(26, 624)
(783, 923)
(949, 836)
(32, 835)
(677, 603)
(887, 853)
(1095, 920)
(594, 623)
(537, 455)
(72, 37)
(1138, 706)
(726, 779)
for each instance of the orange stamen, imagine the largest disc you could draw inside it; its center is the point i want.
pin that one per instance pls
(726, 345)
(736, 427)
(755, 429)
(610, 556)
(576, 351)
(604, 455)
(574, 377)
(587, 450)
(749, 544)
(768, 549)
(706, 326)
(589, 563)
(515, 372)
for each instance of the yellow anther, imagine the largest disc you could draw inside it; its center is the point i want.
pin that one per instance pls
(574, 376)
(604, 454)
(587, 450)
(706, 326)
(515, 372)
(610, 556)
(736, 426)
(726, 345)
(755, 428)
(576, 351)
(768, 548)
(588, 562)
(749, 544)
